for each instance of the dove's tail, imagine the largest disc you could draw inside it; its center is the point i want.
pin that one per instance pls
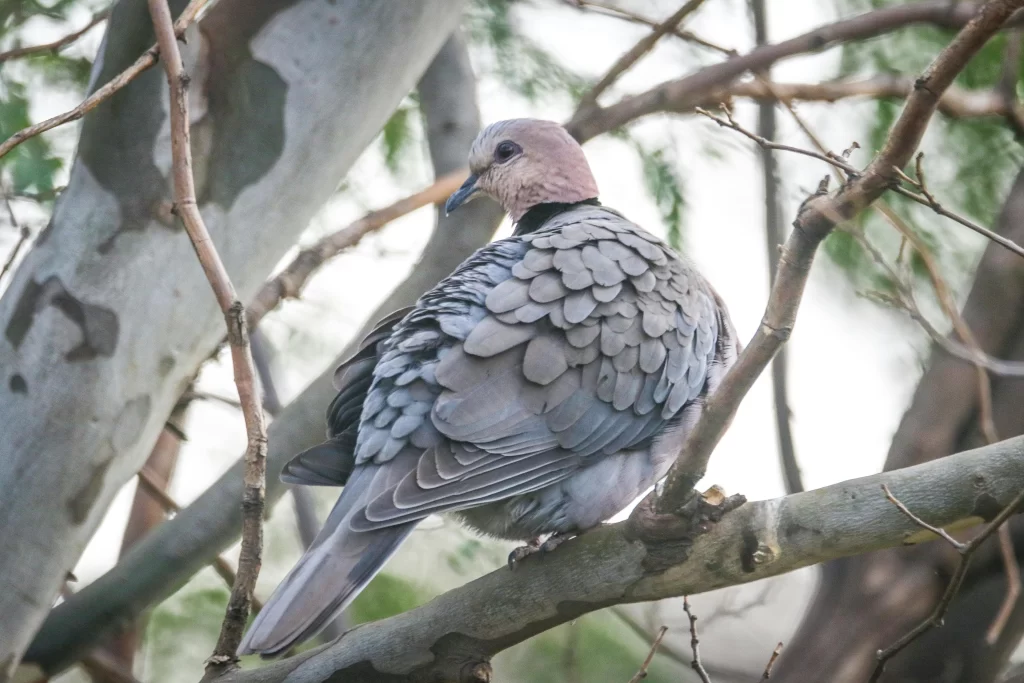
(335, 568)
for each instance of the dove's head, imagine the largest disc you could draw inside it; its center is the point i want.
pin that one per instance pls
(521, 163)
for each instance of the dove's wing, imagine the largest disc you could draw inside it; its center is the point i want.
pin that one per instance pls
(331, 463)
(542, 351)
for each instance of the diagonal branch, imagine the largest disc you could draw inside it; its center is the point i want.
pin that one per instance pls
(627, 60)
(238, 338)
(56, 45)
(813, 223)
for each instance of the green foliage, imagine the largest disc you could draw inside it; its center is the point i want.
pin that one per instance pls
(516, 60)
(181, 630)
(666, 187)
(466, 552)
(400, 134)
(603, 651)
(33, 166)
(386, 596)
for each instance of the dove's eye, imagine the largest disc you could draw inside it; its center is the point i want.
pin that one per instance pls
(505, 151)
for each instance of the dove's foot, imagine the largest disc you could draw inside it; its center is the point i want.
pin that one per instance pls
(553, 541)
(535, 546)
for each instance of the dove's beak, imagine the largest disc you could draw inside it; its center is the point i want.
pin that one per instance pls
(462, 195)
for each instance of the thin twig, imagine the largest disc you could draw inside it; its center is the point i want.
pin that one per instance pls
(23, 236)
(642, 673)
(627, 15)
(729, 122)
(925, 198)
(289, 282)
(148, 59)
(57, 45)
(771, 663)
(696, 664)
(238, 337)
(966, 551)
(623, 63)
(941, 533)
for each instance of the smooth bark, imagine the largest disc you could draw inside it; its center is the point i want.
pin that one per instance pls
(109, 315)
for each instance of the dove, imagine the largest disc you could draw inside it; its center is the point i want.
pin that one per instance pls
(532, 394)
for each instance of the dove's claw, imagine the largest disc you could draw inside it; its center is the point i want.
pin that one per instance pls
(535, 546)
(522, 552)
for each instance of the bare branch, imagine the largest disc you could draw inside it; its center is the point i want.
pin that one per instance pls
(289, 282)
(238, 338)
(144, 62)
(627, 60)
(57, 45)
(814, 222)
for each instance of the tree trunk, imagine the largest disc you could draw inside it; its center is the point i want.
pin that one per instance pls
(865, 603)
(111, 300)
(176, 550)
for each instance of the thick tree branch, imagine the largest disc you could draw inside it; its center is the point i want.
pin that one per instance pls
(623, 563)
(685, 93)
(104, 92)
(234, 316)
(56, 45)
(816, 219)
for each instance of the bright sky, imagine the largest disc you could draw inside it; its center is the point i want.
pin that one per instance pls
(853, 365)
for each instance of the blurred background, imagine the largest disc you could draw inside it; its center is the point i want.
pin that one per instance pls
(853, 361)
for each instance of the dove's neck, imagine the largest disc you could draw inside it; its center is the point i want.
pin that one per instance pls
(540, 214)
